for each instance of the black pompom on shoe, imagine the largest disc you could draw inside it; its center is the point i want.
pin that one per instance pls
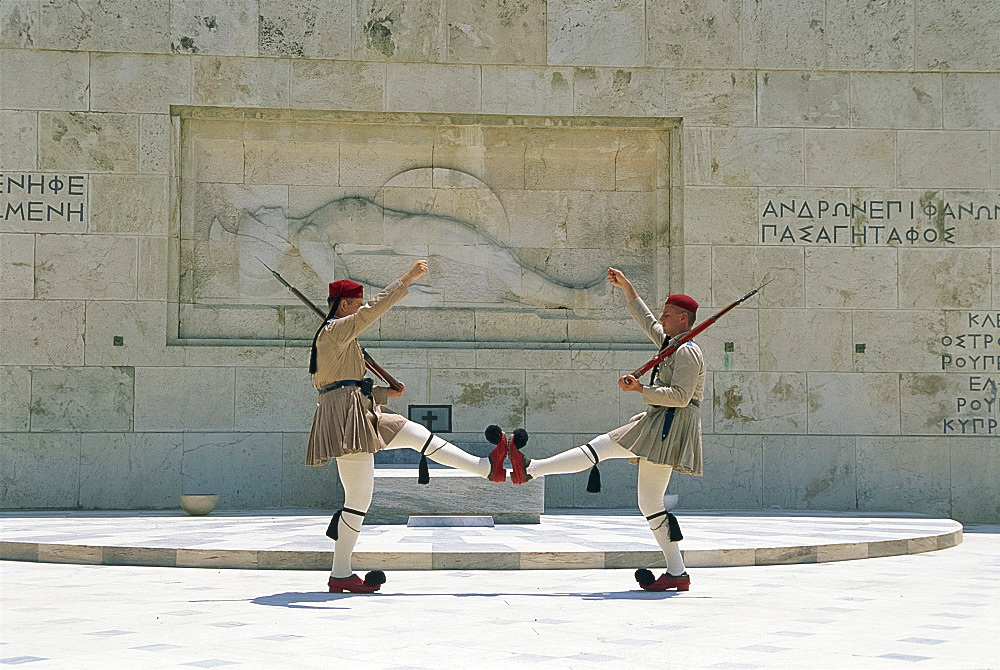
(644, 577)
(520, 437)
(375, 578)
(493, 433)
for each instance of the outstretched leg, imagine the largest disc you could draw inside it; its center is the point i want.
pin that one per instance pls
(357, 474)
(652, 486)
(579, 458)
(415, 436)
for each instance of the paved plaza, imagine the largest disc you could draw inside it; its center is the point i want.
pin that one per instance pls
(936, 609)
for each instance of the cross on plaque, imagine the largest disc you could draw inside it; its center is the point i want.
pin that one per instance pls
(436, 418)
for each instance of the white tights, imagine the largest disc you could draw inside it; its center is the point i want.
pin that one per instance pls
(357, 475)
(652, 486)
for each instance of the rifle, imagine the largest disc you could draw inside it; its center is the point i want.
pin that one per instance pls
(377, 369)
(694, 332)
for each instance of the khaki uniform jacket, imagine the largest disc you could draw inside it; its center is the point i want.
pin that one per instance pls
(347, 422)
(679, 380)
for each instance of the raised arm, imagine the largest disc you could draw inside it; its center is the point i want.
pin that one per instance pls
(636, 307)
(348, 328)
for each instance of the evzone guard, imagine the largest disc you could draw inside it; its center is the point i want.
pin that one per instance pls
(350, 424)
(665, 438)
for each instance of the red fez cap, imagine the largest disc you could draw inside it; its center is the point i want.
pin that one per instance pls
(684, 302)
(345, 288)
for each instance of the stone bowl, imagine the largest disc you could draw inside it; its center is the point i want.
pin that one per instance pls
(198, 504)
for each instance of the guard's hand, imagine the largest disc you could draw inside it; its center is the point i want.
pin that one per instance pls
(629, 383)
(418, 270)
(616, 277)
(396, 394)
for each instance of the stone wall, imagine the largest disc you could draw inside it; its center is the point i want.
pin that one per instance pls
(849, 151)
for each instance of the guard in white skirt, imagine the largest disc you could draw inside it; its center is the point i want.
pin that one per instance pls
(663, 439)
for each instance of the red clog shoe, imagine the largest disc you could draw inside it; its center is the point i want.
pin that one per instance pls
(496, 436)
(372, 582)
(681, 582)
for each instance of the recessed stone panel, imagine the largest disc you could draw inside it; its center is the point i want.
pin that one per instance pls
(924, 491)
(896, 100)
(15, 398)
(30, 339)
(39, 470)
(180, 399)
(872, 36)
(85, 398)
(809, 473)
(65, 77)
(956, 278)
(851, 277)
(600, 32)
(139, 83)
(942, 159)
(127, 470)
(243, 469)
(814, 99)
(806, 340)
(853, 404)
(95, 267)
(759, 402)
(88, 142)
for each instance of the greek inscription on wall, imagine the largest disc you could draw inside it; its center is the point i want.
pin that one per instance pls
(37, 197)
(975, 353)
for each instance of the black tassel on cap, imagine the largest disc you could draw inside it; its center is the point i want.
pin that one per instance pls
(674, 527)
(594, 481)
(423, 474)
(375, 578)
(644, 577)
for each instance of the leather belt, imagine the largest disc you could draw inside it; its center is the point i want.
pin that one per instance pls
(364, 384)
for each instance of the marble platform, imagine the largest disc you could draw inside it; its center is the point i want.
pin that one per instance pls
(272, 540)
(451, 492)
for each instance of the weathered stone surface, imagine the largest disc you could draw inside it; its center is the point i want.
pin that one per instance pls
(399, 30)
(241, 82)
(817, 99)
(290, 162)
(479, 400)
(733, 475)
(738, 327)
(86, 398)
(972, 101)
(527, 90)
(737, 269)
(618, 92)
(842, 403)
(495, 31)
(975, 467)
(870, 153)
(17, 262)
(178, 399)
(19, 24)
(943, 159)
(105, 25)
(272, 399)
(940, 403)
(154, 143)
(218, 160)
(896, 100)
(304, 486)
(94, 267)
(326, 84)
(229, 321)
(566, 167)
(39, 470)
(65, 77)
(309, 28)
(756, 157)
(711, 97)
(403, 324)
(806, 340)
(698, 167)
(89, 142)
(142, 327)
(759, 402)
(225, 27)
(720, 215)
(870, 36)
(433, 88)
(809, 473)
(996, 278)
(18, 140)
(705, 34)
(597, 32)
(152, 268)
(130, 470)
(128, 204)
(925, 488)
(15, 398)
(139, 82)
(945, 278)
(30, 339)
(956, 35)
(552, 405)
(995, 151)
(908, 341)
(784, 34)
(850, 277)
(243, 469)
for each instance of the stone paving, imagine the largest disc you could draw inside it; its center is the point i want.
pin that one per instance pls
(938, 609)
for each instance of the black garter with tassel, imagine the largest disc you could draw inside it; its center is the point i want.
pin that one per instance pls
(673, 528)
(332, 531)
(423, 473)
(594, 481)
